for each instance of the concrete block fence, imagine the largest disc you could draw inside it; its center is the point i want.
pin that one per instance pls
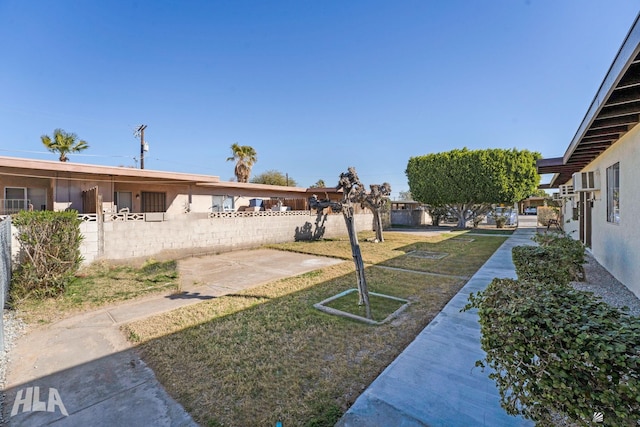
(224, 233)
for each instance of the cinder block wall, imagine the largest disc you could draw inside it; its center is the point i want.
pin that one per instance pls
(89, 244)
(132, 239)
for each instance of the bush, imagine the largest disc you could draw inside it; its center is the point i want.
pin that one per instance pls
(573, 250)
(501, 220)
(545, 213)
(477, 219)
(543, 264)
(556, 350)
(50, 253)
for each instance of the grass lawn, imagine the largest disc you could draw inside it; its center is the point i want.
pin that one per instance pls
(382, 306)
(100, 284)
(265, 354)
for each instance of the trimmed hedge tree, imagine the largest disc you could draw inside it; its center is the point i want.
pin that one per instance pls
(50, 253)
(467, 182)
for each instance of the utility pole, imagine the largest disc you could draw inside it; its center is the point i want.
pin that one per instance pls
(140, 132)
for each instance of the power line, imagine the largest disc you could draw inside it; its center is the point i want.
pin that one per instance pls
(74, 154)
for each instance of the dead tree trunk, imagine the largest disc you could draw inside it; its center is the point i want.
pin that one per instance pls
(377, 225)
(363, 292)
(353, 193)
(376, 201)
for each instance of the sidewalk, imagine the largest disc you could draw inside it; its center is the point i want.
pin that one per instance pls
(434, 382)
(81, 371)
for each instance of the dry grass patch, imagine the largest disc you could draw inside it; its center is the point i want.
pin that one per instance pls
(372, 253)
(383, 307)
(266, 354)
(100, 284)
(464, 258)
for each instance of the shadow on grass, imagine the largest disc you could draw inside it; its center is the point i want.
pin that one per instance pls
(250, 358)
(267, 355)
(189, 295)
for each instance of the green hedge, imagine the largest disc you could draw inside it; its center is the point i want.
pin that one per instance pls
(542, 264)
(558, 260)
(50, 253)
(573, 250)
(555, 350)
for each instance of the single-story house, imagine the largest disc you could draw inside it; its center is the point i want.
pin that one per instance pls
(54, 185)
(530, 202)
(599, 175)
(409, 213)
(131, 213)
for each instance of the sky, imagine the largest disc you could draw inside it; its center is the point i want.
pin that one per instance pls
(313, 86)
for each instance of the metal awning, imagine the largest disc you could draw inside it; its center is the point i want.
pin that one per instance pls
(614, 111)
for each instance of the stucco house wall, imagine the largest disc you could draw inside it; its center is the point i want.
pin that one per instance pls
(617, 246)
(570, 226)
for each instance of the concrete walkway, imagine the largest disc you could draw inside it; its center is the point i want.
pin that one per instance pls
(434, 381)
(82, 372)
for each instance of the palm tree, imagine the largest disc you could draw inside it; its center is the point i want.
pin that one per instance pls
(244, 156)
(63, 143)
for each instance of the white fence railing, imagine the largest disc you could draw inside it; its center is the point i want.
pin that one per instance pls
(11, 206)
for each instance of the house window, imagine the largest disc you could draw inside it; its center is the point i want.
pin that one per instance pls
(15, 200)
(153, 202)
(18, 199)
(613, 193)
(124, 200)
(222, 203)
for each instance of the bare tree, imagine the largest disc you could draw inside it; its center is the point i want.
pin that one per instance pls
(376, 201)
(353, 191)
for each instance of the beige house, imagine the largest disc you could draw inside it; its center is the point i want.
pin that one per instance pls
(598, 177)
(53, 185)
(131, 213)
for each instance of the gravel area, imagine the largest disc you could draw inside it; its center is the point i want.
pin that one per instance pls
(603, 284)
(13, 329)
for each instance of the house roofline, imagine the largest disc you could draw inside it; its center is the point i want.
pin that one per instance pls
(627, 52)
(65, 169)
(252, 186)
(614, 111)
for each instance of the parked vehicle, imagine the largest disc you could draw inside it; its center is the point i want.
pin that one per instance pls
(531, 210)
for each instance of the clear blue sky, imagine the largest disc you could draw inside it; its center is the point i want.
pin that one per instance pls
(313, 86)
